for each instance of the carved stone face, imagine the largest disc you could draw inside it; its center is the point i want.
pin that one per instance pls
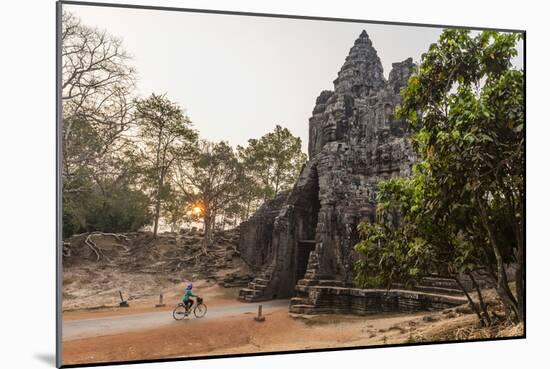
(330, 121)
(330, 127)
(334, 125)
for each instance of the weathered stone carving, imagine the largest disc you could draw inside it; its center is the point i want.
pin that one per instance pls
(355, 141)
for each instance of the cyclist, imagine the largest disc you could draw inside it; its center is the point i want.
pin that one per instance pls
(187, 301)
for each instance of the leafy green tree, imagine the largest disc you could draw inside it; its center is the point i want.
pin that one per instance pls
(274, 160)
(408, 241)
(209, 182)
(165, 136)
(107, 202)
(176, 207)
(463, 208)
(251, 199)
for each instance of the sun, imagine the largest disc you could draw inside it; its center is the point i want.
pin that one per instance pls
(197, 210)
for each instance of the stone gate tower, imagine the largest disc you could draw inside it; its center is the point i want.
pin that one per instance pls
(305, 236)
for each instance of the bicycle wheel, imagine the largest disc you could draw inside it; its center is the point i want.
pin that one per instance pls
(179, 312)
(200, 310)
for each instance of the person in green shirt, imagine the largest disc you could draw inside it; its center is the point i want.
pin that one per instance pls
(187, 301)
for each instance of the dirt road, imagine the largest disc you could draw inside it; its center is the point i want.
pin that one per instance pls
(240, 333)
(92, 327)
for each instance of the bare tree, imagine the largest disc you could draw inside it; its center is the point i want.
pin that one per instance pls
(97, 83)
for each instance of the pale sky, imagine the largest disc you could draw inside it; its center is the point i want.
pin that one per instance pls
(239, 76)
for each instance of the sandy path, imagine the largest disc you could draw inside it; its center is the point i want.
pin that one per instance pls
(91, 327)
(240, 334)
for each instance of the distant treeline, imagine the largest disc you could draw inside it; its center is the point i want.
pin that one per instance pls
(129, 161)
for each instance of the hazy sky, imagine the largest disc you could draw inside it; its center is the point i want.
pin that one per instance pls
(237, 76)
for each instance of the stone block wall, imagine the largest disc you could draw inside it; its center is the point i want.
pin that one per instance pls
(322, 299)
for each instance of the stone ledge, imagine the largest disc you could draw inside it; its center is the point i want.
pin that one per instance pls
(333, 299)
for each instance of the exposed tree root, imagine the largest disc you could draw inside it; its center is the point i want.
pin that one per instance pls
(93, 246)
(66, 251)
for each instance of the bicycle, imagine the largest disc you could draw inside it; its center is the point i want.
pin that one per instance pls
(181, 311)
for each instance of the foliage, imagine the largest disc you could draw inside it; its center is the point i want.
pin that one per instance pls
(99, 169)
(165, 136)
(129, 162)
(462, 209)
(114, 209)
(175, 207)
(274, 161)
(209, 181)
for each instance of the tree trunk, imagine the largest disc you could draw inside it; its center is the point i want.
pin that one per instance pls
(277, 185)
(160, 183)
(520, 281)
(472, 303)
(502, 287)
(208, 232)
(482, 304)
(517, 207)
(157, 216)
(156, 219)
(157, 208)
(520, 258)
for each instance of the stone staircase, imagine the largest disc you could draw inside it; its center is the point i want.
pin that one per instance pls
(305, 301)
(256, 289)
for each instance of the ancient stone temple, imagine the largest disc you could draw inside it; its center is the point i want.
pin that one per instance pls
(303, 239)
